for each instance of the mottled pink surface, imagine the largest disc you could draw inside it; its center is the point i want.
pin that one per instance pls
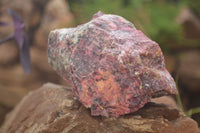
(113, 67)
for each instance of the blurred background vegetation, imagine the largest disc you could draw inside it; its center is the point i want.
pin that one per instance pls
(156, 18)
(173, 24)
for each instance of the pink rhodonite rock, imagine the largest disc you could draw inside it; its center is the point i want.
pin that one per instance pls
(113, 67)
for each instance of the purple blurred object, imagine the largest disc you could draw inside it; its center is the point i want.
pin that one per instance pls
(22, 40)
(4, 24)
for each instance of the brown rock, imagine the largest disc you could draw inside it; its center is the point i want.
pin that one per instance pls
(5, 17)
(190, 22)
(42, 68)
(52, 108)
(39, 60)
(39, 16)
(170, 63)
(189, 72)
(8, 54)
(3, 111)
(168, 100)
(189, 77)
(16, 76)
(40, 72)
(56, 15)
(10, 97)
(14, 84)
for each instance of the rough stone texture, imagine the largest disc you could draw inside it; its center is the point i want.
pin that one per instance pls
(52, 109)
(114, 68)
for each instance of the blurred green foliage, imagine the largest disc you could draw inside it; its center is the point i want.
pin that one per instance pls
(194, 6)
(156, 18)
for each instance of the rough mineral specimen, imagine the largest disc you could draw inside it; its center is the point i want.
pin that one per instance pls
(114, 68)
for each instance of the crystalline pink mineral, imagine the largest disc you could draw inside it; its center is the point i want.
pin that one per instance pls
(113, 67)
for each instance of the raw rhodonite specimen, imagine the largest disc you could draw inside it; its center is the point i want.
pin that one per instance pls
(113, 67)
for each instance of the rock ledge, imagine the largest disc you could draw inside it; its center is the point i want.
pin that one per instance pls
(52, 108)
